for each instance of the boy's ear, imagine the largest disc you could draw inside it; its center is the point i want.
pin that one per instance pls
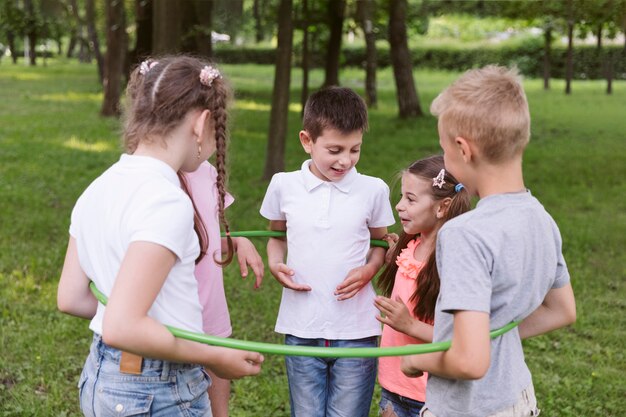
(306, 141)
(442, 207)
(465, 147)
(200, 123)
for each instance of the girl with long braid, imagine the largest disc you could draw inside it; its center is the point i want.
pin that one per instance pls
(132, 234)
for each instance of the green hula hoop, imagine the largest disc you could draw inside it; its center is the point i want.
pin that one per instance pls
(273, 233)
(322, 352)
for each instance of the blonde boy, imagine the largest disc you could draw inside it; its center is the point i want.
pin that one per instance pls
(498, 263)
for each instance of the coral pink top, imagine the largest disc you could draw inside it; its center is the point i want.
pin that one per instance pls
(390, 376)
(215, 316)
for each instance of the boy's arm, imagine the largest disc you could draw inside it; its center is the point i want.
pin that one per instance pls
(469, 353)
(359, 277)
(557, 310)
(276, 251)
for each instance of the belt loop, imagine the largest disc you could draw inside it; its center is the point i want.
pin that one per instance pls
(165, 371)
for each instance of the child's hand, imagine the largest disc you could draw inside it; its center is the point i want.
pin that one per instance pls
(391, 239)
(283, 274)
(409, 367)
(248, 255)
(356, 279)
(394, 313)
(235, 364)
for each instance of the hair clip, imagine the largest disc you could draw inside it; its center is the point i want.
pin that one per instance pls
(146, 66)
(458, 187)
(438, 180)
(208, 74)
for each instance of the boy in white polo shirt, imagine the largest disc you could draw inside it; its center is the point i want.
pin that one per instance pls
(330, 213)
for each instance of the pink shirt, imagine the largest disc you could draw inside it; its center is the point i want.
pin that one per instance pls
(390, 376)
(215, 316)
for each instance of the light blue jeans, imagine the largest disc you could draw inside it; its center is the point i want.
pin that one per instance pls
(163, 389)
(330, 387)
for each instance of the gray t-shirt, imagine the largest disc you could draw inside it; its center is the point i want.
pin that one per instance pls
(500, 258)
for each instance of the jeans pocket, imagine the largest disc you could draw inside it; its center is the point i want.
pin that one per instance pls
(118, 403)
(199, 384)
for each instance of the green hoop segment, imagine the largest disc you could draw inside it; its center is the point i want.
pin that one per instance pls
(273, 233)
(322, 352)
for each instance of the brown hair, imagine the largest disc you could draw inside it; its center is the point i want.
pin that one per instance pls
(427, 288)
(337, 108)
(487, 106)
(160, 93)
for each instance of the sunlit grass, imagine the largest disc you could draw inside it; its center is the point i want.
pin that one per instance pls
(53, 143)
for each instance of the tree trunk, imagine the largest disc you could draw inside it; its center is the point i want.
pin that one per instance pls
(365, 13)
(166, 26)
(406, 91)
(336, 10)
(258, 27)
(11, 42)
(305, 55)
(72, 43)
(204, 15)
(599, 37)
(547, 46)
(569, 64)
(143, 21)
(115, 56)
(274, 161)
(31, 31)
(609, 72)
(90, 17)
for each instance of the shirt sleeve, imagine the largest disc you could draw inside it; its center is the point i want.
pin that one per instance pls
(562, 276)
(382, 213)
(464, 265)
(271, 207)
(166, 220)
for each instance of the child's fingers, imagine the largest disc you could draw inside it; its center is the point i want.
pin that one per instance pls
(243, 267)
(258, 273)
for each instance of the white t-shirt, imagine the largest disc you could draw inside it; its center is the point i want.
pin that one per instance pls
(327, 236)
(139, 199)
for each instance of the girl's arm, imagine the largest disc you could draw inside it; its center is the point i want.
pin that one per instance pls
(395, 314)
(127, 325)
(73, 295)
(359, 277)
(276, 251)
(247, 255)
(468, 356)
(557, 310)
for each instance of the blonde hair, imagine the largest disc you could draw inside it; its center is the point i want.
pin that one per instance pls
(487, 106)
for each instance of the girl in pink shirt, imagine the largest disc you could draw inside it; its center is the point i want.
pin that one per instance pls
(409, 282)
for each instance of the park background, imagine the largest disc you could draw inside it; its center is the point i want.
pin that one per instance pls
(62, 73)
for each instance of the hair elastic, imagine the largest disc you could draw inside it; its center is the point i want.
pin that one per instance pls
(208, 74)
(458, 187)
(438, 181)
(146, 66)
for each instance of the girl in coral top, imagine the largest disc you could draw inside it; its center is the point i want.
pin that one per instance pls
(409, 282)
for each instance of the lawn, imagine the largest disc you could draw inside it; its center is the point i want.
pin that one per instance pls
(53, 143)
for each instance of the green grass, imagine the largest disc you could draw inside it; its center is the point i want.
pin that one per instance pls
(53, 143)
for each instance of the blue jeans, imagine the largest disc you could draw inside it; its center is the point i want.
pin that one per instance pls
(163, 388)
(330, 387)
(394, 405)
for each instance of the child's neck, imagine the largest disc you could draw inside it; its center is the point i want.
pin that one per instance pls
(500, 178)
(426, 246)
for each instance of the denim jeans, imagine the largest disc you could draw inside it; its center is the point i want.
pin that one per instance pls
(162, 389)
(394, 405)
(330, 387)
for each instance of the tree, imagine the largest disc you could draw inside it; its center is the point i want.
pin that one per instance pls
(336, 10)
(12, 20)
(90, 17)
(274, 161)
(406, 91)
(365, 17)
(167, 26)
(115, 56)
(143, 23)
(304, 22)
(31, 30)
